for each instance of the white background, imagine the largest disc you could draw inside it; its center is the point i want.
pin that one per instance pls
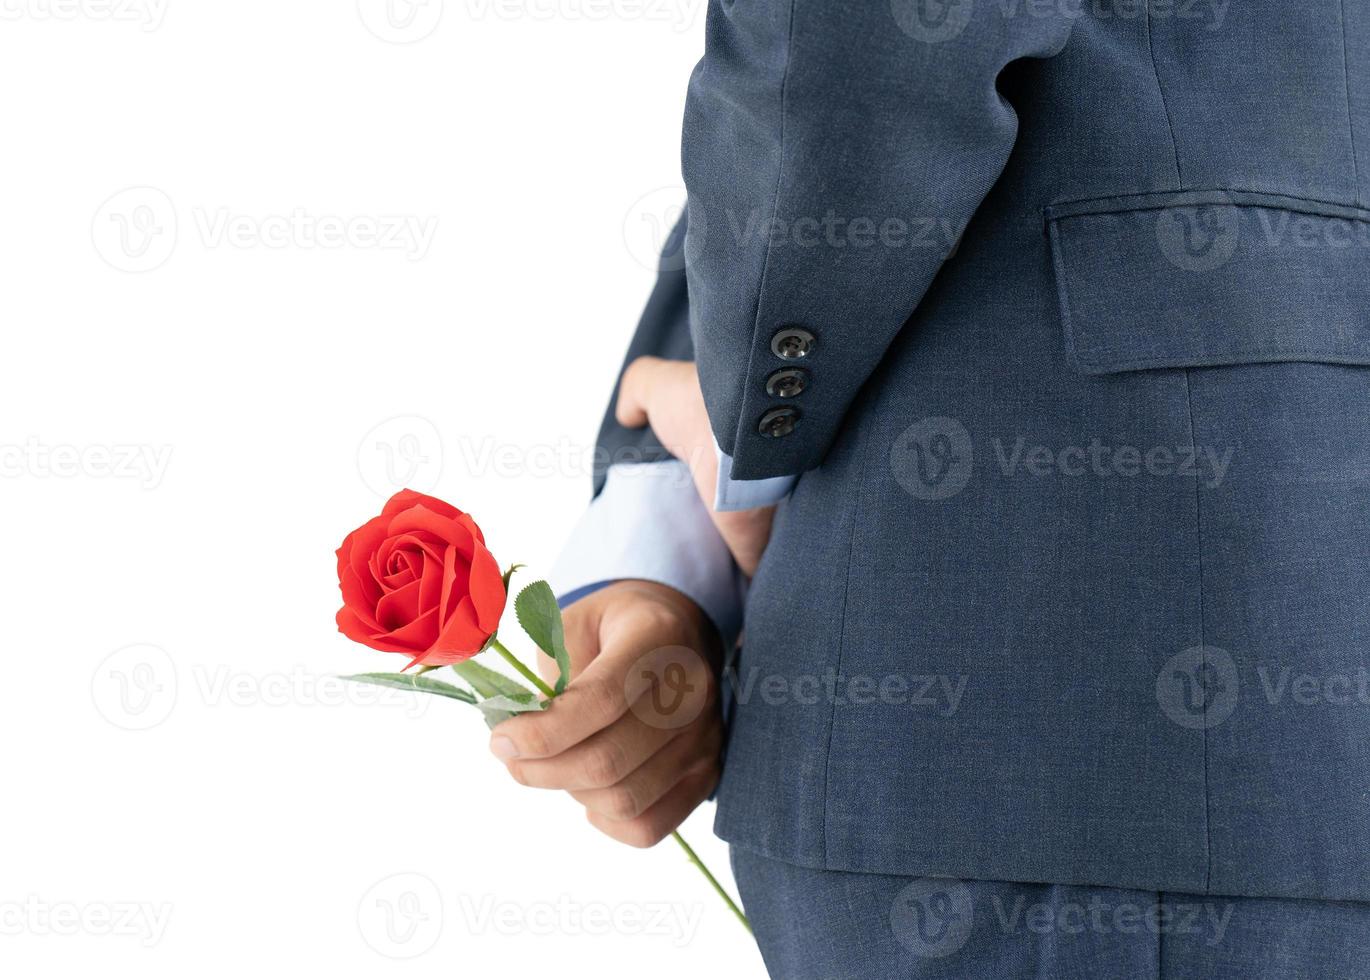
(199, 380)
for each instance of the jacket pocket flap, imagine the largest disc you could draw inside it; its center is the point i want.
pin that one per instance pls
(1207, 278)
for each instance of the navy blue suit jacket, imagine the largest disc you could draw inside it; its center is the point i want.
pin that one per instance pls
(1075, 584)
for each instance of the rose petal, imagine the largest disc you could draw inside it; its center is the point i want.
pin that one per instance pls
(461, 636)
(406, 498)
(421, 520)
(486, 586)
(456, 573)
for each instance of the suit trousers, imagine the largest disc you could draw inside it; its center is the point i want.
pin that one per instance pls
(833, 925)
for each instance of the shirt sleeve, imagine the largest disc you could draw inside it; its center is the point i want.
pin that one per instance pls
(733, 494)
(648, 523)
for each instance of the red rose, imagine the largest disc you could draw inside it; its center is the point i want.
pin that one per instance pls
(419, 580)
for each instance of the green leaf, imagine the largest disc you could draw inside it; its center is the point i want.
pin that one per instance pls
(415, 682)
(490, 683)
(540, 617)
(504, 707)
(508, 575)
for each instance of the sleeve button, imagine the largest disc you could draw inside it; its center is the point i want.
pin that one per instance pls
(787, 383)
(792, 343)
(778, 422)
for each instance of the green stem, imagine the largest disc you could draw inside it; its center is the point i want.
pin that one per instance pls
(541, 685)
(517, 664)
(704, 869)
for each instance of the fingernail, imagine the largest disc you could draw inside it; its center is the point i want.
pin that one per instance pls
(503, 748)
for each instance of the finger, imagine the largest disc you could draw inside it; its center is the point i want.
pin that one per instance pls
(664, 816)
(687, 753)
(634, 391)
(602, 760)
(592, 702)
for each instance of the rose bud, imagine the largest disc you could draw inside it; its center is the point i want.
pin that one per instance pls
(419, 580)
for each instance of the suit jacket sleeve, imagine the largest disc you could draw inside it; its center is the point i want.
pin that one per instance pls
(815, 130)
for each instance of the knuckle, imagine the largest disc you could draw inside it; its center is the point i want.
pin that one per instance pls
(621, 803)
(641, 834)
(535, 739)
(603, 765)
(599, 700)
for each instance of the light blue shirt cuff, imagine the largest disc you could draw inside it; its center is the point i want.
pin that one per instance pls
(746, 494)
(649, 523)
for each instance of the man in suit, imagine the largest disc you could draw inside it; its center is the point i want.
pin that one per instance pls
(1047, 325)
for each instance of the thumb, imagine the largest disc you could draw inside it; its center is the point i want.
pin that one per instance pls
(635, 392)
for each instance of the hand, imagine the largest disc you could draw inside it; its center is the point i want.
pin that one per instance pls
(637, 734)
(666, 395)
